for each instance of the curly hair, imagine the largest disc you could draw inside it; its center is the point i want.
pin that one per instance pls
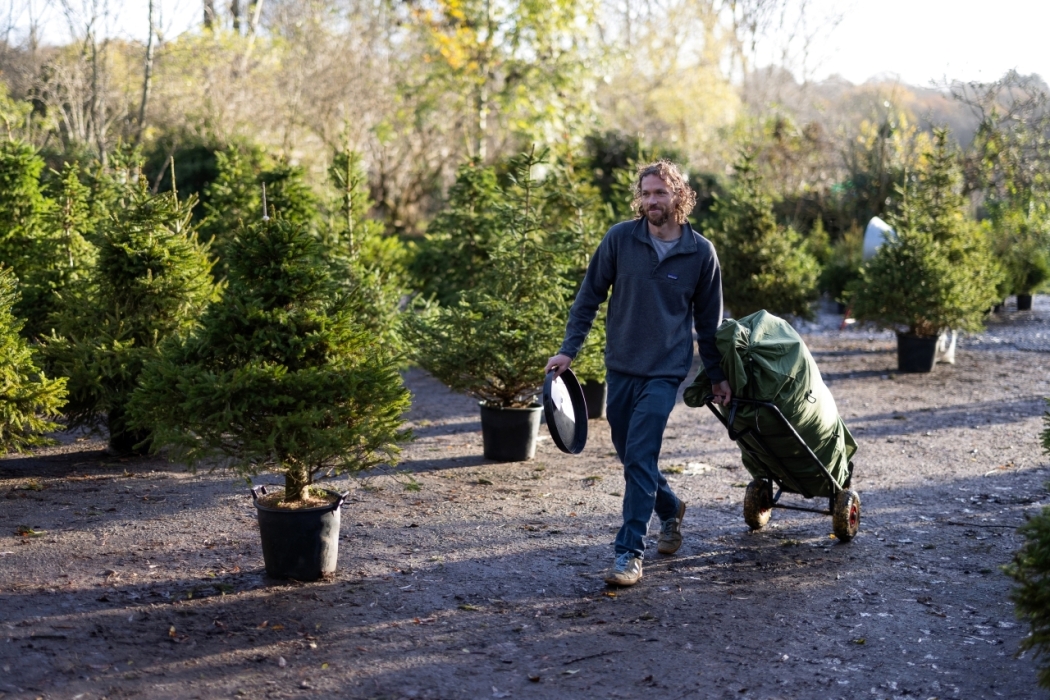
(675, 179)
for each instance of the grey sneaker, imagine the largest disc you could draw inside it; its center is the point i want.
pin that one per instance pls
(671, 532)
(625, 571)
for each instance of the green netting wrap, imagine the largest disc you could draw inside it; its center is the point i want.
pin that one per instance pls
(765, 359)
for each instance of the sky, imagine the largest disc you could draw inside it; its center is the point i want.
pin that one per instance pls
(927, 40)
(919, 41)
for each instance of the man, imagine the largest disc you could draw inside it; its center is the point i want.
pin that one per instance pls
(665, 278)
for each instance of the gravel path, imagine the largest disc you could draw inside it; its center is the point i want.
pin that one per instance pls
(462, 578)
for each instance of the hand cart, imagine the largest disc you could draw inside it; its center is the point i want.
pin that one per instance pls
(759, 499)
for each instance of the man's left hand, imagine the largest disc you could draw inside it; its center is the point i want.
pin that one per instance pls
(723, 394)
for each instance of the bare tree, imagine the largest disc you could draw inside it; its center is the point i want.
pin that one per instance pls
(211, 17)
(147, 78)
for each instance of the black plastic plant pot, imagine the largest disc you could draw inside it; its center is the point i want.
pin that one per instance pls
(509, 434)
(915, 353)
(299, 544)
(1024, 302)
(595, 393)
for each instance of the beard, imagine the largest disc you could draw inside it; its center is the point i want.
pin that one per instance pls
(658, 215)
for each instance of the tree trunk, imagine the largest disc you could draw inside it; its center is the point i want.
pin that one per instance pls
(209, 14)
(123, 440)
(147, 79)
(235, 13)
(296, 482)
(254, 12)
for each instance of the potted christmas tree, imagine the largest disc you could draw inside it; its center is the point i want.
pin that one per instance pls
(282, 375)
(152, 280)
(493, 342)
(28, 400)
(1022, 246)
(938, 274)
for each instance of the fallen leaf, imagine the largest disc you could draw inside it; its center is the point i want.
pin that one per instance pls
(171, 631)
(281, 662)
(570, 672)
(859, 640)
(468, 606)
(26, 531)
(535, 678)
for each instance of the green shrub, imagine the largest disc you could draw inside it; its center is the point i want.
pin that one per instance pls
(281, 374)
(939, 273)
(152, 281)
(764, 266)
(28, 399)
(493, 343)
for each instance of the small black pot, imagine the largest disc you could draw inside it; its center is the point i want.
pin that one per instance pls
(840, 307)
(595, 393)
(1024, 302)
(509, 434)
(914, 353)
(299, 544)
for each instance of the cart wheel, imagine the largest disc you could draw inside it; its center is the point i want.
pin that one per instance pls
(758, 504)
(845, 518)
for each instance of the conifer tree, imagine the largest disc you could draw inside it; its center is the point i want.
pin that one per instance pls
(764, 265)
(152, 280)
(1030, 569)
(458, 241)
(378, 260)
(493, 342)
(23, 208)
(939, 273)
(282, 374)
(28, 399)
(235, 196)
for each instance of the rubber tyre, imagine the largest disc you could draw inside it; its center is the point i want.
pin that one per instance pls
(758, 504)
(845, 517)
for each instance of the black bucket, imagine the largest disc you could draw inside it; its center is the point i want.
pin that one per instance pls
(509, 434)
(595, 393)
(1024, 302)
(299, 544)
(915, 353)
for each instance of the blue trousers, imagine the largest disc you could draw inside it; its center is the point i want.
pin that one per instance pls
(637, 409)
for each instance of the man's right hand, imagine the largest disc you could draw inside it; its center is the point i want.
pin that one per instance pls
(559, 363)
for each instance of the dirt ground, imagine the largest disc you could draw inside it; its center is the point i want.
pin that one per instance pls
(463, 578)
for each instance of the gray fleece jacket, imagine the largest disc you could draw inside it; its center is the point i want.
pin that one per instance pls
(654, 304)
